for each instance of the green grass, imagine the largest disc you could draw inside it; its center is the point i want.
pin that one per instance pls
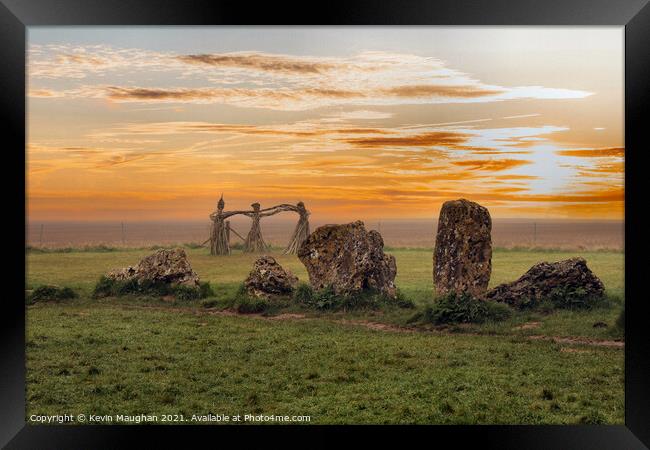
(146, 355)
(107, 359)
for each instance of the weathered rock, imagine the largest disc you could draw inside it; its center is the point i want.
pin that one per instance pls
(163, 266)
(268, 279)
(349, 259)
(546, 279)
(125, 273)
(462, 258)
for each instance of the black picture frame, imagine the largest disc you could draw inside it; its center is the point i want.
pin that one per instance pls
(634, 15)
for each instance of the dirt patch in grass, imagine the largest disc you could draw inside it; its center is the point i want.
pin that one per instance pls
(378, 326)
(375, 325)
(287, 316)
(528, 326)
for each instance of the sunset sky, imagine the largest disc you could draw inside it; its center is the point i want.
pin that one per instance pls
(358, 122)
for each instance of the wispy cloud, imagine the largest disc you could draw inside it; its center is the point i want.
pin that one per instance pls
(262, 62)
(434, 138)
(274, 81)
(617, 152)
(45, 93)
(492, 165)
(433, 90)
(362, 114)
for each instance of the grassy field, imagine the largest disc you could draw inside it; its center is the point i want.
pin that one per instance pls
(132, 356)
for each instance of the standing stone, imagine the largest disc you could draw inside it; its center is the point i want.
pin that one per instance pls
(168, 266)
(349, 259)
(462, 259)
(569, 277)
(268, 279)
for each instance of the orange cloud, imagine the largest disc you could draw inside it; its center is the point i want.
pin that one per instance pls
(261, 97)
(297, 94)
(617, 168)
(494, 165)
(44, 93)
(79, 59)
(261, 62)
(125, 93)
(433, 90)
(120, 159)
(441, 138)
(595, 152)
(515, 177)
(613, 194)
(258, 130)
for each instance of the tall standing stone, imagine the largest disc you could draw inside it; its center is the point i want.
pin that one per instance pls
(462, 259)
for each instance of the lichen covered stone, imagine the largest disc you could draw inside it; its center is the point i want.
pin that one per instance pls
(167, 266)
(569, 281)
(268, 279)
(462, 259)
(349, 259)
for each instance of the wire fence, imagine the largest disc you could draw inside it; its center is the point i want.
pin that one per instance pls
(396, 233)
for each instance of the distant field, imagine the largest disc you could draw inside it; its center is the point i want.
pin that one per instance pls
(508, 233)
(145, 356)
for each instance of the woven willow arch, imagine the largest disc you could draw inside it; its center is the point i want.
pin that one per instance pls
(254, 242)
